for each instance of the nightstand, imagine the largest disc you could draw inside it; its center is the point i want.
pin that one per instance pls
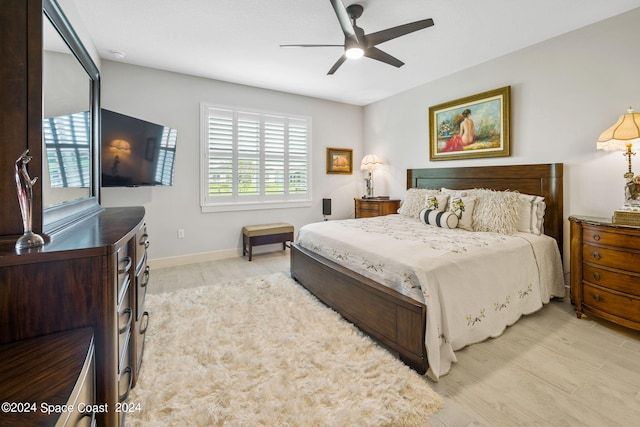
(605, 270)
(367, 208)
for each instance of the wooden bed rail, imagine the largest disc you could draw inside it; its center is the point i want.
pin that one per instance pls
(395, 320)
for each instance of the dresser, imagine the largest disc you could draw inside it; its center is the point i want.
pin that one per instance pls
(94, 274)
(49, 380)
(367, 208)
(605, 270)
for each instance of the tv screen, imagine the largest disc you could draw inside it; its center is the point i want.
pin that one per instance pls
(136, 152)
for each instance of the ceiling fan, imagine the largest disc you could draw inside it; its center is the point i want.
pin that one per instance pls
(357, 43)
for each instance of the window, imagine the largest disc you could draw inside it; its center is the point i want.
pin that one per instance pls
(66, 140)
(253, 160)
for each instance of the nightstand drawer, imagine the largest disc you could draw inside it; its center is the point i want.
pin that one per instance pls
(623, 260)
(612, 280)
(616, 304)
(600, 237)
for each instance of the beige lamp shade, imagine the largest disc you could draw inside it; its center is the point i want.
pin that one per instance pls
(370, 162)
(625, 131)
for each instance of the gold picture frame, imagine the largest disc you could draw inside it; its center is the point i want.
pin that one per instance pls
(473, 127)
(340, 160)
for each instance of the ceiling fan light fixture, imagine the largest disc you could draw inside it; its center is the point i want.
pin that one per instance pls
(354, 52)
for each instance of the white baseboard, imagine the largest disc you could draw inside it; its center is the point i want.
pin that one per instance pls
(192, 258)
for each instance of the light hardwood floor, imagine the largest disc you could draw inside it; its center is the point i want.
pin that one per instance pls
(549, 369)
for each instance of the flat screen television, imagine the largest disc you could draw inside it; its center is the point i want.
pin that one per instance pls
(136, 152)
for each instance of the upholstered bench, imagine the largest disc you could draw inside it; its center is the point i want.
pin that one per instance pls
(264, 234)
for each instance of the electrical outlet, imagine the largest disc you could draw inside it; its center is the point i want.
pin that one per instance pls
(180, 233)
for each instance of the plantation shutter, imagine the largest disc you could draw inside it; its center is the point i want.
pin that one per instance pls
(66, 141)
(254, 158)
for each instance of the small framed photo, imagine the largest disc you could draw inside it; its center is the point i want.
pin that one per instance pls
(472, 127)
(340, 160)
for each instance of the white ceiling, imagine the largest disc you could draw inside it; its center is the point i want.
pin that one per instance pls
(238, 40)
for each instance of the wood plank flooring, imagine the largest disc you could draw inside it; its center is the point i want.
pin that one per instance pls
(549, 369)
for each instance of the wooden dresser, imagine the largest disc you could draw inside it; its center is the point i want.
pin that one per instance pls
(367, 208)
(94, 274)
(49, 380)
(605, 270)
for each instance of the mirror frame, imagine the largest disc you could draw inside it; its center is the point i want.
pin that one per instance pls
(58, 217)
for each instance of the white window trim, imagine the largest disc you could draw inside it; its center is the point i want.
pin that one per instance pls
(266, 202)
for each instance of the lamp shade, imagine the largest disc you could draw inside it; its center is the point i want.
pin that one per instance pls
(625, 131)
(370, 162)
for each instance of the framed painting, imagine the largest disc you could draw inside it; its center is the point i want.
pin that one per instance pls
(472, 127)
(339, 160)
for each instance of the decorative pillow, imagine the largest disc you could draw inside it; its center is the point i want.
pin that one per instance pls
(437, 203)
(441, 219)
(463, 208)
(496, 211)
(415, 200)
(457, 193)
(531, 213)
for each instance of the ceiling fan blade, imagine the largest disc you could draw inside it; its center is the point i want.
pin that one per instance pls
(391, 33)
(377, 54)
(344, 20)
(311, 45)
(337, 65)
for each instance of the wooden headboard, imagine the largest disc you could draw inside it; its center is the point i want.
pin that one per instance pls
(539, 179)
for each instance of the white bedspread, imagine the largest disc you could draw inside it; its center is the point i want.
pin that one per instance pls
(474, 284)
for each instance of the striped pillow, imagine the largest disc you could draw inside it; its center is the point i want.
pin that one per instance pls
(444, 219)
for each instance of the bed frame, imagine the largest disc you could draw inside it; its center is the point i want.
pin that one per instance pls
(393, 319)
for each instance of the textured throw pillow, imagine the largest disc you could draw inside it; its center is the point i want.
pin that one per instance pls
(437, 203)
(496, 211)
(415, 200)
(530, 213)
(463, 208)
(441, 219)
(457, 193)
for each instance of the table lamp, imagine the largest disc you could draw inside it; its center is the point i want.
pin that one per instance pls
(370, 162)
(622, 136)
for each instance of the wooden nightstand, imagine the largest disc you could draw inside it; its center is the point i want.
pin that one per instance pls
(605, 270)
(367, 208)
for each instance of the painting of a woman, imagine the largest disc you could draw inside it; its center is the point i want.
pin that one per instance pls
(466, 136)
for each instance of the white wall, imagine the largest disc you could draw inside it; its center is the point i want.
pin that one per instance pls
(174, 100)
(564, 93)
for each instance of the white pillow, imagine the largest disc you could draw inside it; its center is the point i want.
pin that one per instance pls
(438, 218)
(415, 200)
(437, 203)
(531, 213)
(463, 206)
(496, 211)
(459, 193)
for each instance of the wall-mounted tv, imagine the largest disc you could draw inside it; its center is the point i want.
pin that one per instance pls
(136, 152)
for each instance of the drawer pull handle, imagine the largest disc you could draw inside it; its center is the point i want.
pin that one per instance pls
(124, 396)
(596, 275)
(143, 330)
(127, 265)
(126, 327)
(596, 255)
(596, 237)
(145, 281)
(596, 297)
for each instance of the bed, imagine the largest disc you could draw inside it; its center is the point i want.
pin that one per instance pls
(397, 318)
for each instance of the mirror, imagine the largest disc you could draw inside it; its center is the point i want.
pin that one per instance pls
(71, 88)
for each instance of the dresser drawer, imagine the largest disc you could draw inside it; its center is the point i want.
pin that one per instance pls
(619, 305)
(618, 281)
(124, 269)
(142, 243)
(624, 260)
(125, 320)
(610, 238)
(142, 282)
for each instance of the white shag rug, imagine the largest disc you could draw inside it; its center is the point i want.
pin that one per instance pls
(265, 352)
